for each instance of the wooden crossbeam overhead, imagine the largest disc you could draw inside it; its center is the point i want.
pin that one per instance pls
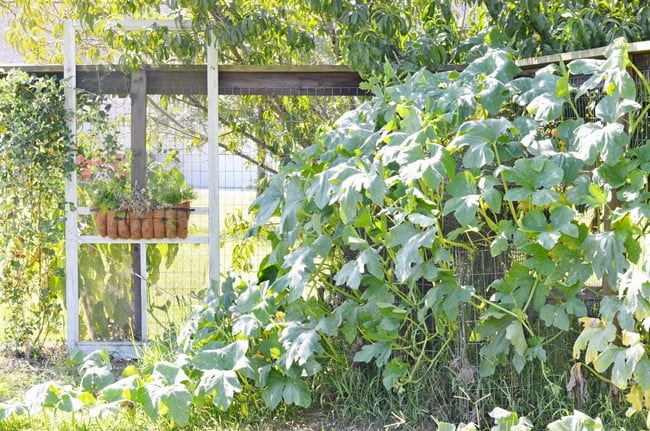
(259, 79)
(233, 79)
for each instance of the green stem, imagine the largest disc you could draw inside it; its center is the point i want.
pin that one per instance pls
(596, 374)
(641, 76)
(432, 363)
(531, 294)
(491, 223)
(640, 118)
(340, 291)
(553, 338)
(334, 354)
(574, 108)
(513, 212)
(646, 86)
(508, 312)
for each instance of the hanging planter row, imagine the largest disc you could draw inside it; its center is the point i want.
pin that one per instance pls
(159, 210)
(151, 224)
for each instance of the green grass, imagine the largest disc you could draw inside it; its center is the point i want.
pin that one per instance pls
(18, 373)
(344, 398)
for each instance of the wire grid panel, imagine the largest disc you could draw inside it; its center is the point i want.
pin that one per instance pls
(174, 272)
(178, 274)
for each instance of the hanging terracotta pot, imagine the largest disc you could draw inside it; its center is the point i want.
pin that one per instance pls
(147, 225)
(100, 221)
(183, 215)
(122, 225)
(111, 225)
(135, 225)
(159, 223)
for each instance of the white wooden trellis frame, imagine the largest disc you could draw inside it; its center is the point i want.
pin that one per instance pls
(130, 349)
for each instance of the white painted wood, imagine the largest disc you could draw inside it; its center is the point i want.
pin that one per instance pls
(117, 349)
(536, 62)
(143, 290)
(96, 239)
(213, 164)
(71, 229)
(132, 349)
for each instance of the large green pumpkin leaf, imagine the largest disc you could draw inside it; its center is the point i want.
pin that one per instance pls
(230, 357)
(296, 392)
(221, 385)
(301, 344)
(479, 137)
(592, 138)
(393, 371)
(606, 251)
(576, 421)
(379, 351)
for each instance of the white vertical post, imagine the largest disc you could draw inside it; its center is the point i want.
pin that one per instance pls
(71, 229)
(213, 163)
(143, 290)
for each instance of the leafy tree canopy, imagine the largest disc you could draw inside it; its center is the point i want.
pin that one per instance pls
(362, 34)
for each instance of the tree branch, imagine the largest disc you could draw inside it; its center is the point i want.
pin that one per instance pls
(238, 153)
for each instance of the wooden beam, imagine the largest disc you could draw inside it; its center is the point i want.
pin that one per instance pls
(233, 80)
(539, 62)
(642, 47)
(138, 180)
(230, 83)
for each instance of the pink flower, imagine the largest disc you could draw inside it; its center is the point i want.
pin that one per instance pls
(86, 174)
(80, 160)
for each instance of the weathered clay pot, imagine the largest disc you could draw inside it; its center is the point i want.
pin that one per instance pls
(147, 225)
(100, 221)
(111, 225)
(159, 224)
(123, 225)
(171, 224)
(135, 225)
(183, 215)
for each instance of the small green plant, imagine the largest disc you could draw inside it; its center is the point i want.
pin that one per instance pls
(106, 181)
(108, 194)
(168, 186)
(510, 421)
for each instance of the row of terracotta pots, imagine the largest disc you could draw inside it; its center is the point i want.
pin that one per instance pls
(155, 224)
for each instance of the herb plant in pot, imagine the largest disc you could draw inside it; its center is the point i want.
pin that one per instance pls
(107, 195)
(139, 209)
(172, 196)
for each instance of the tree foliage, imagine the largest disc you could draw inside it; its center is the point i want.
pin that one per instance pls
(360, 34)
